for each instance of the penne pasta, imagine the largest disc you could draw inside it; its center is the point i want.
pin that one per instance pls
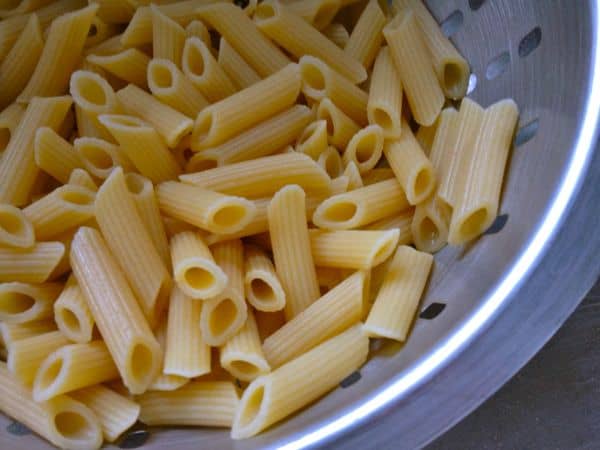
(19, 64)
(168, 37)
(410, 165)
(72, 314)
(169, 85)
(100, 157)
(129, 65)
(429, 227)
(224, 316)
(60, 55)
(352, 249)
(143, 146)
(18, 170)
(73, 367)
(354, 179)
(367, 37)
(268, 399)
(197, 29)
(402, 222)
(202, 160)
(378, 174)
(398, 298)
(291, 249)
(115, 11)
(92, 93)
(89, 126)
(340, 127)
(337, 310)
(33, 265)
(163, 381)
(9, 120)
(299, 38)
(243, 35)
(236, 67)
(384, 107)
(15, 228)
(263, 289)
(9, 8)
(331, 162)
(100, 31)
(202, 69)
(133, 248)
(194, 268)
(337, 33)
(200, 403)
(319, 13)
(110, 46)
(268, 322)
(63, 421)
(23, 302)
(54, 155)
(211, 211)
(227, 118)
(313, 140)
(406, 43)
(426, 135)
(361, 206)
(365, 148)
(242, 356)
(118, 316)
(269, 174)
(12, 332)
(80, 177)
(186, 354)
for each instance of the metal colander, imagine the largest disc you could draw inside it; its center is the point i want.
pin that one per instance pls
(491, 305)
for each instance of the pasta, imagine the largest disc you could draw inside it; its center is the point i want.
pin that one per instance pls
(163, 381)
(331, 162)
(223, 120)
(291, 249)
(80, 177)
(100, 31)
(398, 298)
(23, 302)
(402, 222)
(168, 37)
(131, 244)
(331, 314)
(299, 38)
(12, 332)
(197, 29)
(115, 310)
(236, 67)
(429, 226)
(8, 8)
(15, 228)
(129, 65)
(205, 73)
(72, 314)
(92, 93)
(268, 323)
(9, 120)
(384, 107)
(263, 289)
(33, 265)
(354, 179)
(319, 13)
(313, 140)
(365, 148)
(337, 33)
(268, 399)
(115, 11)
(367, 36)
(340, 127)
(194, 268)
(54, 155)
(100, 157)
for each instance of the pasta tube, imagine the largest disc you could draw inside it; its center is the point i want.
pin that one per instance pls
(236, 67)
(33, 265)
(365, 148)
(72, 314)
(367, 37)
(263, 289)
(15, 228)
(54, 155)
(22, 302)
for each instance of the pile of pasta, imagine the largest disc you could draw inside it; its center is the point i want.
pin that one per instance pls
(197, 196)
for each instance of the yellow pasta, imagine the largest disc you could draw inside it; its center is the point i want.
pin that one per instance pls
(223, 316)
(89, 126)
(430, 223)
(115, 11)
(132, 246)
(239, 31)
(242, 356)
(197, 29)
(200, 403)
(232, 115)
(268, 322)
(269, 174)
(9, 120)
(211, 211)
(262, 286)
(385, 97)
(65, 422)
(331, 162)
(15, 228)
(291, 249)
(73, 367)
(174, 226)
(18, 170)
(238, 70)
(476, 207)
(129, 65)
(116, 413)
(115, 310)
(100, 31)
(72, 314)
(34, 265)
(168, 37)
(313, 140)
(64, 208)
(10, 8)
(60, 55)
(80, 177)
(337, 33)
(398, 298)
(299, 38)
(100, 157)
(205, 73)
(168, 122)
(340, 127)
(54, 155)
(268, 399)
(163, 381)
(361, 206)
(426, 135)
(410, 165)
(319, 13)
(402, 222)
(367, 37)
(18, 66)
(168, 84)
(186, 354)
(365, 148)
(110, 46)
(202, 160)
(26, 355)
(451, 68)
(406, 43)
(143, 146)
(12, 332)
(194, 268)
(146, 204)
(23, 302)
(92, 93)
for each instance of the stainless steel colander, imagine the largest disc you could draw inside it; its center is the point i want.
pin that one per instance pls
(492, 305)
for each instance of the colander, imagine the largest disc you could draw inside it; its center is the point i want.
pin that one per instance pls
(492, 304)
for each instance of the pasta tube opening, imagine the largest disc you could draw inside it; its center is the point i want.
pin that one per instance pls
(265, 295)
(252, 407)
(76, 426)
(13, 303)
(340, 211)
(92, 92)
(313, 78)
(193, 59)
(15, 229)
(223, 316)
(79, 199)
(48, 375)
(474, 223)
(202, 161)
(422, 183)
(203, 125)
(365, 148)
(159, 75)
(141, 363)
(69, 320)
(22, 302)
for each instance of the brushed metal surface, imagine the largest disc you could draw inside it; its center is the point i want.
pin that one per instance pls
(507, 293)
